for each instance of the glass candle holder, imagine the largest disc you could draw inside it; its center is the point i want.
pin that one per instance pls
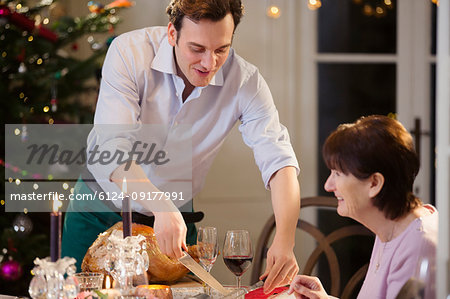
(89, 281)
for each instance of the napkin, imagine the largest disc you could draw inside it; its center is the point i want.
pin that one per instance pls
(259, 293)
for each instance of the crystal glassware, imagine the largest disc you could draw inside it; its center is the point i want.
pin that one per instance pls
(127, 258)
(89, 281)
(237, 253)
(49, 282)
(208, 248)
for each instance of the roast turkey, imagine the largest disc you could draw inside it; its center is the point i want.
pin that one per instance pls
(162, 268)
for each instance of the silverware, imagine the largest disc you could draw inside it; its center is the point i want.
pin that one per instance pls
(201, 273)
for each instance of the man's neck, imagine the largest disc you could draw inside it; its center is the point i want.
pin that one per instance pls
(188, 87)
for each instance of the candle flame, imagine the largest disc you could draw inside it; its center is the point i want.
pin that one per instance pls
(107, 282)
(124, 185)
(56, 203)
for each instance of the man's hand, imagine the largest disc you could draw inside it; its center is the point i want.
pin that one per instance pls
(281, 266)
(307, 287)
(170, 231)
(281, 263)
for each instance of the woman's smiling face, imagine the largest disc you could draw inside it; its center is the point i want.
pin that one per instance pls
(353, 194)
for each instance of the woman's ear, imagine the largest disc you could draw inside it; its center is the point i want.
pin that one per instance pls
(172, 34)
(376, 183)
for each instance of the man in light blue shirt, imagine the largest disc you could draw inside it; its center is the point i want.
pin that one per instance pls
(187, 74)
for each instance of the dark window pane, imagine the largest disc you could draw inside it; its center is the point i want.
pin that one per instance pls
(433, 28)
(433, 135)
(357, 26)
(348, 91)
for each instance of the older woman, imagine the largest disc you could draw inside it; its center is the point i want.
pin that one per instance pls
(373, 166)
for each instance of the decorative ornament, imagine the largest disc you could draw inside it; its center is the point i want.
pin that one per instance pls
(119, 3)
(95, 7)
(22, 68)
(96, 46)
(54, 94)
(10, 270)
(22, 224)
(26, 24)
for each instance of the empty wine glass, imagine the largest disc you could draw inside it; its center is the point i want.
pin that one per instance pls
(425, 276)
(208, 248)
(237, 253)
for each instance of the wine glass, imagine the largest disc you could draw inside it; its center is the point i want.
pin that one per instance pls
(425, 275)
(208, 248)
(237, 253)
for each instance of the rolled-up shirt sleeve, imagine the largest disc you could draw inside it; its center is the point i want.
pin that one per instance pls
(262, 131)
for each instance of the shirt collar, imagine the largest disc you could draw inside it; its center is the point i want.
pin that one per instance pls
(164, 61)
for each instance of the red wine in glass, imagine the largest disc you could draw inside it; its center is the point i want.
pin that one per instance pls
(238, 264)
(237, 253)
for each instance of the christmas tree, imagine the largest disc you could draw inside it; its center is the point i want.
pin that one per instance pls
(42, 82)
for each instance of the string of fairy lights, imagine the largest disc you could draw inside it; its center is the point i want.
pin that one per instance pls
(33, 23)
(376, 8)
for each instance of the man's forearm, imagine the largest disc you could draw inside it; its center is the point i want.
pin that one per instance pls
(285, 193)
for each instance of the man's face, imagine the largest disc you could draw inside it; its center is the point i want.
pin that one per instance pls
(202, 48)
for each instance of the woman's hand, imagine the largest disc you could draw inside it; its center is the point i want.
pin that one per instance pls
(304, 286)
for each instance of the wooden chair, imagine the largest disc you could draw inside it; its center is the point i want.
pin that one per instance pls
(324, 246)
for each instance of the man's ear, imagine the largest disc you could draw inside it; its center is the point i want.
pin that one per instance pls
(172, 34)
(376, 184)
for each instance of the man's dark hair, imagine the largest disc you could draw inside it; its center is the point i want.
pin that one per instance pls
(377, 144)
(195, 10)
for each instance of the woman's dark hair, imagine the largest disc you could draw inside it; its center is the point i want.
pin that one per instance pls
(377, 144)
(195, 10)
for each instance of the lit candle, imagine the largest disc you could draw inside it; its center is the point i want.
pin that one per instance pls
(126, 210)
(107, 282)
(55, 230)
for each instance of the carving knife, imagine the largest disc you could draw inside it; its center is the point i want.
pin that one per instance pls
(201, 273)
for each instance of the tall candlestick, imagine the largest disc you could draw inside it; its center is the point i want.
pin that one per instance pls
(55, 230)
(126, 210)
